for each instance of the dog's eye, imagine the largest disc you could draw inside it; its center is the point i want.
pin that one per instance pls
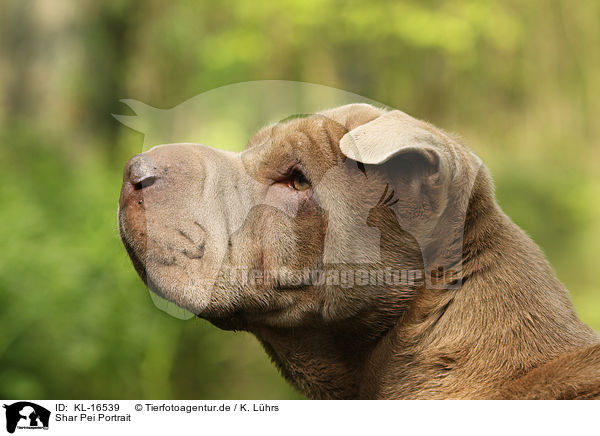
(298, 181)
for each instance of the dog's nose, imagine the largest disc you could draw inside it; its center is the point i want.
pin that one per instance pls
(140, 172)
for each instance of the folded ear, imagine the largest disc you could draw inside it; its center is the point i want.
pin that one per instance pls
(394, 134)
(421, 167)
(414, 158)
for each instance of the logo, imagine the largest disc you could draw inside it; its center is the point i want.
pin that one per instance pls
(26, 415)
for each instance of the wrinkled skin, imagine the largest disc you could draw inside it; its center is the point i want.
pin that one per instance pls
(236, 238)
(208, 213)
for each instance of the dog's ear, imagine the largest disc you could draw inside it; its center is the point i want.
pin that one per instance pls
(428, 184)
(396, 134)
(415, 157)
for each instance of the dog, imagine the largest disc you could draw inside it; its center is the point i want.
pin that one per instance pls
(366, 251)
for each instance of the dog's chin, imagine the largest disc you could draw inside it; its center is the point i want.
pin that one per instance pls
(235, 322)
(172, 284)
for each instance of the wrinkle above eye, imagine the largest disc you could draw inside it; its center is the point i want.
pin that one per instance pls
(282, 172)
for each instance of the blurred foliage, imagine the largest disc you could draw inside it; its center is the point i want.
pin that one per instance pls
(518, 80)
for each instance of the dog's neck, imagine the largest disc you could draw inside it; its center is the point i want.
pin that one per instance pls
(320, 363)
(449, 343)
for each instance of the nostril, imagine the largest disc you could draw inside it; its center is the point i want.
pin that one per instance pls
(144, 183)
(141, 172)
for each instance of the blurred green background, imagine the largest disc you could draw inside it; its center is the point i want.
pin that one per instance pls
(520, 81)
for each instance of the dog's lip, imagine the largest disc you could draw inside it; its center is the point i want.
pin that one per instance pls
(138, 264)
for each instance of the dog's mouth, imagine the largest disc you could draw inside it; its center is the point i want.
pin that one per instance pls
(175, 265)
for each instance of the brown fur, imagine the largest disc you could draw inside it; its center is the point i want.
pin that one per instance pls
(502, 327)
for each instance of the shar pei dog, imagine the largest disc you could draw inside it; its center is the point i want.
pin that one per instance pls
(366, 251)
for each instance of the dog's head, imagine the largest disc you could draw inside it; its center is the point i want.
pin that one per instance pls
(322, 218)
